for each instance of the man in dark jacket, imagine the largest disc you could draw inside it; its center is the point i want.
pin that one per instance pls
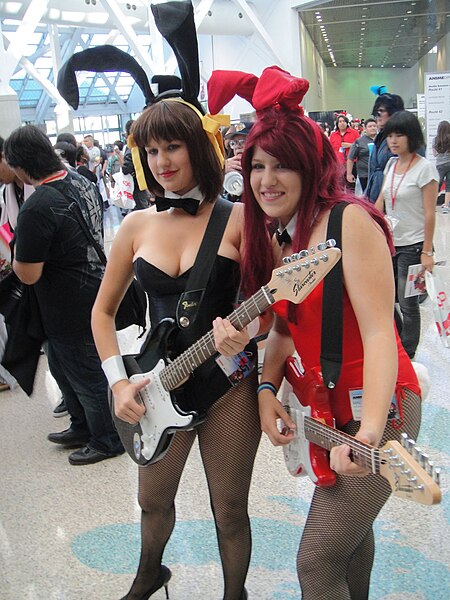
(55, 256)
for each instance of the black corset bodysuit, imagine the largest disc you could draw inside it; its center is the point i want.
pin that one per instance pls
(208, 383)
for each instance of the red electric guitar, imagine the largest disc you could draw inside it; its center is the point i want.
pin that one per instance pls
(305, 398)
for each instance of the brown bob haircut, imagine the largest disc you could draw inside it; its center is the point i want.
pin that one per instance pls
(171, 120)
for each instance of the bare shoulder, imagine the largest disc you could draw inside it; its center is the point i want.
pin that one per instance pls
(136, 220)
(238, 211)
(357, 224)
(236, 220)
(363, 240)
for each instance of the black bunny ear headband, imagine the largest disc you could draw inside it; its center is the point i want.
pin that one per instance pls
(175, 22)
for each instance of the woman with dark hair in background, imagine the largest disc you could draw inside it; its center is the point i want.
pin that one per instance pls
(160, 245)
(385, 106)
(441, 149)
(408, 196)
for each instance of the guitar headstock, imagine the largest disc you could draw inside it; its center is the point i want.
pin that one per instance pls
(302, 271)
(411, 477)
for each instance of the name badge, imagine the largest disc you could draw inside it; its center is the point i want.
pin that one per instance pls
(356, 403)
(236, 367)
(356, 397)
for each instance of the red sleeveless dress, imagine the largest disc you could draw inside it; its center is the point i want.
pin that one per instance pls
(306, 334)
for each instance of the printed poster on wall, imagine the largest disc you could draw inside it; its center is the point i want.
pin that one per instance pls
(437, 102)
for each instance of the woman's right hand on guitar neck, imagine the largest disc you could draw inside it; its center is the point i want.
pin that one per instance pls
(127, 403)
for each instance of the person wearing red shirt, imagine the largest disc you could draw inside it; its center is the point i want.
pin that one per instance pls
(342, 139)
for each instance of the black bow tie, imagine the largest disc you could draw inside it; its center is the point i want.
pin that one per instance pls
(283, 238)
(190, 205)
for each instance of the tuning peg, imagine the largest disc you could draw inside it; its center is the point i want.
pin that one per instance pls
(412, 479)
(437, 475)
(312, 250)
(410, 444)
(322, 246)
(406, 472)
(286, 260)
(315, 261)
(303, 253)
(295, 256)
(331, 243)
(324, 257)
(404, 440)
(416, 452)
(430, 468)
(306, 264)
(423, 459)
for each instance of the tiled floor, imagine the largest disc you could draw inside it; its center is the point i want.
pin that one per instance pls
(72, 533)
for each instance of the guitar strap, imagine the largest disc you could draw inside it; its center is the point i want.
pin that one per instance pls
(190, 300)
(332, 307)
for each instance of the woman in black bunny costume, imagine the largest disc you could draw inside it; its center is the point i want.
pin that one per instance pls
(178, 152)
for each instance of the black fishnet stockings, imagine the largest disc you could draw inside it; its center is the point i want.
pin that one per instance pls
(228, 442)
(336, 552)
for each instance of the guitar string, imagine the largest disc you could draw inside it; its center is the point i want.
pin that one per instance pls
(365, 452)
(171, 378)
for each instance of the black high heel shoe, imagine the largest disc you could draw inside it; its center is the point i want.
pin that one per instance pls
(163, 581)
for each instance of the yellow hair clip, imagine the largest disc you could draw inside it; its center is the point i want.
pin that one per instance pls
(138, 169)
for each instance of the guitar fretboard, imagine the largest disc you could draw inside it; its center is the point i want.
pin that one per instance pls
(327, 437)
(178, 370)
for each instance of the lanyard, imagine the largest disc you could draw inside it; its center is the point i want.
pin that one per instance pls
(58, 175)
(394, 194)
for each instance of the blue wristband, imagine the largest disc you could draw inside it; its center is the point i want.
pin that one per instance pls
(266, 385)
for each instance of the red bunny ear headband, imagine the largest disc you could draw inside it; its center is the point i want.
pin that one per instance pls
(275, 88)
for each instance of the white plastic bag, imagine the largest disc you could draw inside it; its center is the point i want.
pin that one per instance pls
(441, 305)
(122, 193)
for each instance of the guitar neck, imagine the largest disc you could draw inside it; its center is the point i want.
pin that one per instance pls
(178, 370)
(327, 437)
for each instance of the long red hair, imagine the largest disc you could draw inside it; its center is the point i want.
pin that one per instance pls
(299, 144)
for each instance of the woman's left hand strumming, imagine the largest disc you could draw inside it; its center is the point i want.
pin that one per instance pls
(228, 340)
(341, 462)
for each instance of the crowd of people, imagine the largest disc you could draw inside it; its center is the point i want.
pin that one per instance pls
(288, 184)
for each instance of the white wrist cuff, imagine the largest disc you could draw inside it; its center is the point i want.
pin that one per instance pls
(253, 328)
(114, 369)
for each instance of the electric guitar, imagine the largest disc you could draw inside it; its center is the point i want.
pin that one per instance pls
(148, 440)
(305, 398)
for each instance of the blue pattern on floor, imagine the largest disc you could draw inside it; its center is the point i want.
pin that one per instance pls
(115, 549)
(435, 427)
